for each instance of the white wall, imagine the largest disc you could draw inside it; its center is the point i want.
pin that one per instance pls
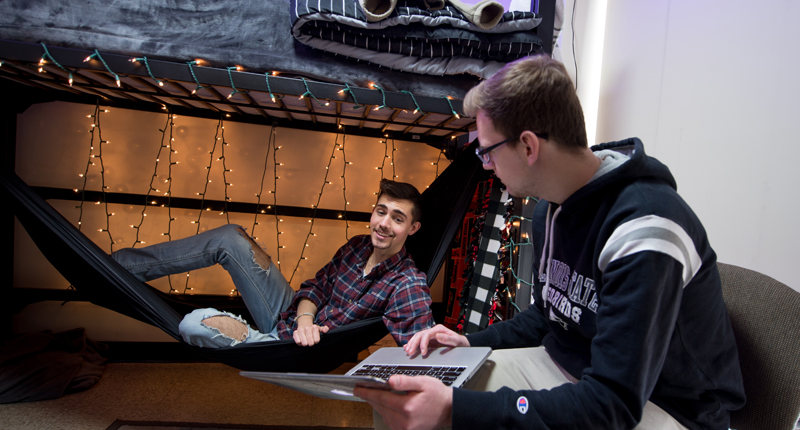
(712, 89)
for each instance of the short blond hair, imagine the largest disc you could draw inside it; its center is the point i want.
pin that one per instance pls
(532, 93)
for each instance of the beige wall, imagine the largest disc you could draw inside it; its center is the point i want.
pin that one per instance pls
(53, 147)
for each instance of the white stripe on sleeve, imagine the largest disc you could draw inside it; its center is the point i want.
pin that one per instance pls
(652, 233)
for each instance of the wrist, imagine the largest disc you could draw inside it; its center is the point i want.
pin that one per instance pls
(305, 314)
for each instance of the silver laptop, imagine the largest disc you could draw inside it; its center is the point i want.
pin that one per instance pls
(453, 366)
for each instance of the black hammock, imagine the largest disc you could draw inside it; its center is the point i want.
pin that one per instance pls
(91, 270)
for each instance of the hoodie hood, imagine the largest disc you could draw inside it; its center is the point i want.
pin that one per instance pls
(624, 162)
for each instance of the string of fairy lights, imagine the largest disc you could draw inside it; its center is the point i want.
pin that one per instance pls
(390, 157)
(160, 185)
(270, 143)
(325, 182)
(153, 179)
(167, 143)
(275, 165)
(167, 140)
(47, 57)
(344, 184)
(508, 247)
(219, 138)
(95, 132)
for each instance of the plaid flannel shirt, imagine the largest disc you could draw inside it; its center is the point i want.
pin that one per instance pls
(394, 289)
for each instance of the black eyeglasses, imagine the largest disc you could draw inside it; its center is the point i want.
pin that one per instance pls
(486, 158)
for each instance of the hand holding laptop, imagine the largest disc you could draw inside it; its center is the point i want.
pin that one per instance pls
(434, 337)
(424, 400)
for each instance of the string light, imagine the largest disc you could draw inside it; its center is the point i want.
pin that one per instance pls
(202, 195)
(505, 254)
(149, 72)
(344, 186)
(263, 176)
(451, 107)
(437, 163)
(230, 77)
(349, 90)
(167, 134)
(97, 129)
(100, 57)
(383, 95)
(171, 126)
(151, 188)
(394, 176)
(225, 170)
(308, 93)
(274, 192)
(191, 69)
(269, 89)
(48, 55)
(385, 142)
(414, 99)
(314, 214)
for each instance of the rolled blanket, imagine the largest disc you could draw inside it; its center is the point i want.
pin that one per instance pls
(485, 14)
(376, 10)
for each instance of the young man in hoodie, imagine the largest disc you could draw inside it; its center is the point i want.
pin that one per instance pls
(371, 275)
(627, 328)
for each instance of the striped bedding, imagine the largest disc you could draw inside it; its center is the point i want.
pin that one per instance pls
(413, 39)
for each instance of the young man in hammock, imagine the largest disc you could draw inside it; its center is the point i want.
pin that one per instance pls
(371, 275)
(627, 328)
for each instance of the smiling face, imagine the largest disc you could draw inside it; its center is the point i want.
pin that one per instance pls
(391, 224)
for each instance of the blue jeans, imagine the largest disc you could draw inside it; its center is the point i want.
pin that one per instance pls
(265, 291)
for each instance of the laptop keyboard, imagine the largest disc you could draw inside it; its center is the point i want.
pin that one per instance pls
(446, 374)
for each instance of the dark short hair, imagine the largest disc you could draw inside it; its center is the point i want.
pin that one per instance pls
(403, 191)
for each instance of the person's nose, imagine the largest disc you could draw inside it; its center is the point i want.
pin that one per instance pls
(384, 222)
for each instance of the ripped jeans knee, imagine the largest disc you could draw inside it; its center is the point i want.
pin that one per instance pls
(194, 331)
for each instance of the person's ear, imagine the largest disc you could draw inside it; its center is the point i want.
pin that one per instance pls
(531, 145)
(414, 228)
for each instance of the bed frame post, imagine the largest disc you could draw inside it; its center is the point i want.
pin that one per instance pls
(547, 10)
(8, 140)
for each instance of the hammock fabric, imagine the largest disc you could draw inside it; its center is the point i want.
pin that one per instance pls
(90, 269)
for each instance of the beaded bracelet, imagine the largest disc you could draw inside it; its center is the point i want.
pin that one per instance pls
(306, 313)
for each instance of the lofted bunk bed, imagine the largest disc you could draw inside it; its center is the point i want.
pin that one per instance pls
(263, 63)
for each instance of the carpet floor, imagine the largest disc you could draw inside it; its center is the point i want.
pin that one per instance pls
(155, 425)
(165, 393)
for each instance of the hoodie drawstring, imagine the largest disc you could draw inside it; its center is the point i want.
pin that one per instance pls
(547, 249)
